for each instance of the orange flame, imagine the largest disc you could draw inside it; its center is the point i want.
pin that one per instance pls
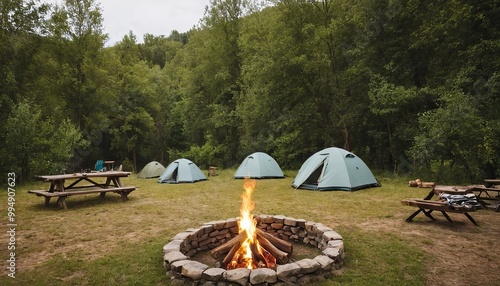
(250, 248)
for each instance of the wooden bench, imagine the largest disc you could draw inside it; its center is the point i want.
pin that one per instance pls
(428, 206)
(488, 201)
(123, 191)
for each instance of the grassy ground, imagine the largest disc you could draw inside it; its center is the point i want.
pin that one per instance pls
(108, 241)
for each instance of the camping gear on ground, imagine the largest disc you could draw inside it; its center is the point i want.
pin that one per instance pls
(334, 169)
(182, 171)
(259, 165)
(152, 169)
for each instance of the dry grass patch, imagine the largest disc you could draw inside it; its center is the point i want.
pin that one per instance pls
(108, 241)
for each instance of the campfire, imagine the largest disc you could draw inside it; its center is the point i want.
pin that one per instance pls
(252, 248)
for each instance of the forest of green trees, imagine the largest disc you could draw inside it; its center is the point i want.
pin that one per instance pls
(410, 86)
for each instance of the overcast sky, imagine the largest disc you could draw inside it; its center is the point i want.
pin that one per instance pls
(157, 17)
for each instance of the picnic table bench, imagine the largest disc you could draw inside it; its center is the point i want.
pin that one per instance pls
(59, 190)
(427, 205)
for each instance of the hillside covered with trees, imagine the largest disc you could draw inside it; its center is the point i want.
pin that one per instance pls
(410, 86)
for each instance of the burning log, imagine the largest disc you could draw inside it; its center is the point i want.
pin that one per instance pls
(225, 247)
(252, 248)
(279, 243)
(268, 242)
(281, 256)
(258, 257)
(231, 253)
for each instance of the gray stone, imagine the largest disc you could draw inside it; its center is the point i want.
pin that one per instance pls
(207, 228)
(195, 232)
(287, 270)
(213, 274)
(194, 244)
(321, 229)
(177, 282)
(325, 261)
(302, 233)
(331, 235)
(174, 256)
(263, 275)
(239, 275)
(191, 252)
(287, 281)
(193, 270)
(182, 235)
(224, 231)
(336, 244)
(232, 222)
(174, 245)
(290, 221)
(277, 225)
(310, 226)
(219, 224)
(266, 219)
(214, 233)
(203, 242)
(235, 230)
(279, 218)
(308, 265)
(177, 266)
(331, 252)
(301, 223)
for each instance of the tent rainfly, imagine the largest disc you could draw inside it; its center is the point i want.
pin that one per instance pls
(152, 170)
(259, 165)
(334, 169)
(182, 171)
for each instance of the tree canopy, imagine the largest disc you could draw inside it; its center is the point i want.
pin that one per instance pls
(412, 87)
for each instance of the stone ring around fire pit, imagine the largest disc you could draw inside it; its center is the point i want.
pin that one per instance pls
(182, 270)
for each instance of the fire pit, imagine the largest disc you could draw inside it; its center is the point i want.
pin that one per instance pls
(253, 250)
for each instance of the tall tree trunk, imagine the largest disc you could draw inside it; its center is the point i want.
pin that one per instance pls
(134, 158)
(391, 145)
(346, 138)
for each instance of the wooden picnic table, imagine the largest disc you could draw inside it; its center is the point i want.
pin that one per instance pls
(427, 205)
(58, 187)
(452, 190)
(486, 193)
(492, 181)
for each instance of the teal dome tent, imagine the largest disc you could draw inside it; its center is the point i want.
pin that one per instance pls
(152, 170)
(182, 171)
(259, 165)
(334, 169)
